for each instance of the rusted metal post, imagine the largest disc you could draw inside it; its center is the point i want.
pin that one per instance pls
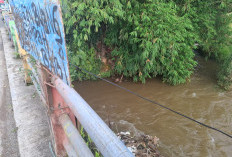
(74, 137)
(105, 140)
(58, 107)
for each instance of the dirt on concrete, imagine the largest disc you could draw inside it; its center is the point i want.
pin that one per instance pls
(8, 129)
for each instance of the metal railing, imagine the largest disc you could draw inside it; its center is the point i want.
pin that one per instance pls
(103, 137)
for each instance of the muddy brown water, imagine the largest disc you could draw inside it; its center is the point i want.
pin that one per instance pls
(200, 99)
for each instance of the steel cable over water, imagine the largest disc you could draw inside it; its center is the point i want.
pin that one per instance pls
(153, 102)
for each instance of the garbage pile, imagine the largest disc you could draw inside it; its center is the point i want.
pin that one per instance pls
(141, 146)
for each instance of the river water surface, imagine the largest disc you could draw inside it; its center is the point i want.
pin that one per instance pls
(199, 99)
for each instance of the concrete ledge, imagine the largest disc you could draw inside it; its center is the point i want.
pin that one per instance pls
(30, 114)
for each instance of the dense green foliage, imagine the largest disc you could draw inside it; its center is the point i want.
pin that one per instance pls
(212, 21)
(144, 38)
(156, 42)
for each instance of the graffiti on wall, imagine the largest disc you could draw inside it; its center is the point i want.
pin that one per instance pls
(41, 33)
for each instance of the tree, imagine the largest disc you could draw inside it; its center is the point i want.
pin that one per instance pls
(145, 38)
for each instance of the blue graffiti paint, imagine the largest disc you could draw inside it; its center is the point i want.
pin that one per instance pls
(40, 28)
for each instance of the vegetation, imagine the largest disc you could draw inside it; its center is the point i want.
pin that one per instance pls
(90, 143)
(141, 39)
(212, 21)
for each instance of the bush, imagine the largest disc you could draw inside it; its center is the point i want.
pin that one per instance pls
(225, 73)
(141, 39)
(153, 40)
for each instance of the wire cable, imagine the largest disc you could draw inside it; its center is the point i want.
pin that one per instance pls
(153, 102)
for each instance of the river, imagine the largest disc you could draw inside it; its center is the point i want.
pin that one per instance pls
(200, 99)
